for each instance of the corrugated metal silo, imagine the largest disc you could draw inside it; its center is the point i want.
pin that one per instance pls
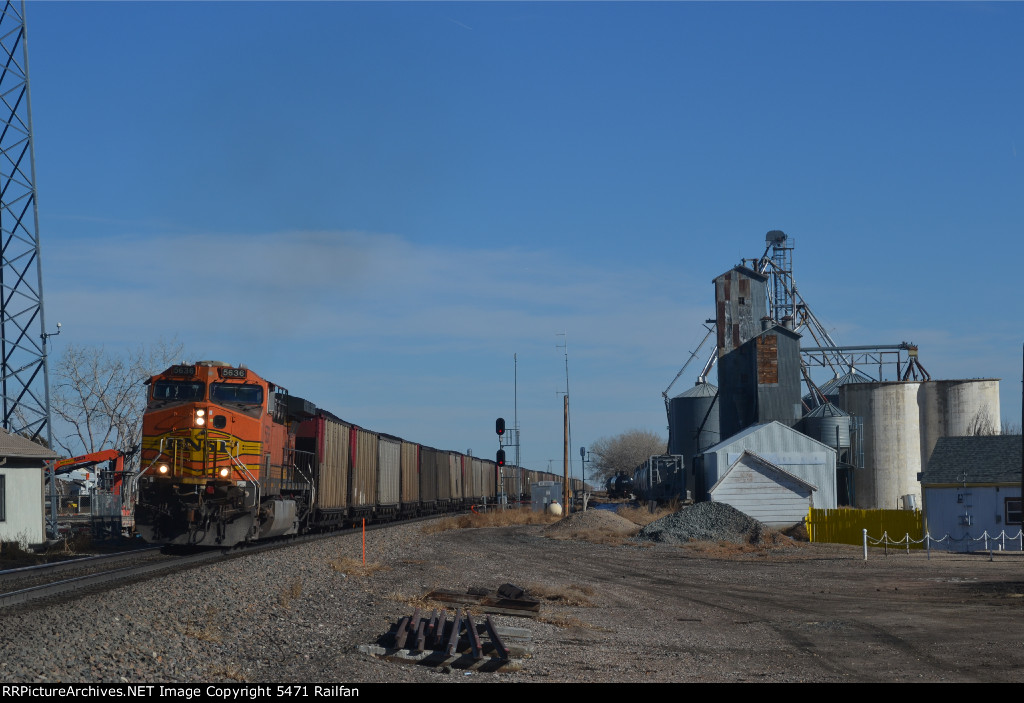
(829, 425)
(693, 421)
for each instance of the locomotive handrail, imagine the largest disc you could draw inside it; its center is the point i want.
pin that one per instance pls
(245, 472)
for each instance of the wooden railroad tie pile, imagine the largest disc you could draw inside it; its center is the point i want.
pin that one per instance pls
(460, 642)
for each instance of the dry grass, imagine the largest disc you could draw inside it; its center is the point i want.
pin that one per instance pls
(492, 518)
(595, 535)
(205, 630)
(290, 593)
(356, 567)
(643, 517)
(571, 594)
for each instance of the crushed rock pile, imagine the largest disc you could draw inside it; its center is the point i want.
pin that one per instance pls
(708, 522)
(596, 520)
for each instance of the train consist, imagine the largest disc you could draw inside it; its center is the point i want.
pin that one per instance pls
(229, 457)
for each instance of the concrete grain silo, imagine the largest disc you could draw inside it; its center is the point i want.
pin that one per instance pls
(902, 421)
(892, 441)
(957, 409)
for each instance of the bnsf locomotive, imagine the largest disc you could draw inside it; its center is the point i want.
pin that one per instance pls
(228, 457)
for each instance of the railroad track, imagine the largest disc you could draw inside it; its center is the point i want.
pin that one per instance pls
(35, 583)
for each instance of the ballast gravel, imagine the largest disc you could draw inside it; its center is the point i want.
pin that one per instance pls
(633, 612)
(709, 521)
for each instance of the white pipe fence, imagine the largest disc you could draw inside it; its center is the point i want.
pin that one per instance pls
(989, 540)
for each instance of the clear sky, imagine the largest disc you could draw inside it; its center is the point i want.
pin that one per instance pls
(376, 205)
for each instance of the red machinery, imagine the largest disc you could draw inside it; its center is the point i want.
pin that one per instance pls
(111, 511)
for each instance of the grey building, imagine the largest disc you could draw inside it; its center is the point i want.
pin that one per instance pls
(759, 381)
(972, 486)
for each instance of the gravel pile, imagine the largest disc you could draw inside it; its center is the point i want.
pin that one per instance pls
(708, 522)
(598, 520)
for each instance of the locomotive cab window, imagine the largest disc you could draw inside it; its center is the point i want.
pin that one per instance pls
(165, 392)
(244, 397)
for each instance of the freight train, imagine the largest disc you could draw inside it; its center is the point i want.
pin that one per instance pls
(229, 457)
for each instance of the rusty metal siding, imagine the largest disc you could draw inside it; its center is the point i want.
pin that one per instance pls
(334, 459)
(364, 468)
(389, 470)
(410, 472)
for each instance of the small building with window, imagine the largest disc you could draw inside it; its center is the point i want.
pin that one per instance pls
(972, 486)
(22, 480)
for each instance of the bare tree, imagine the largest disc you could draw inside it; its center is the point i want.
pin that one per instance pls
(99, 397)
(981, 425)
(624, 452)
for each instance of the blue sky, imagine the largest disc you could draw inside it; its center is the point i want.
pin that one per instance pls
(377, 204)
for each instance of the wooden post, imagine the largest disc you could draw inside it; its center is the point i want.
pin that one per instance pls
(565, 485)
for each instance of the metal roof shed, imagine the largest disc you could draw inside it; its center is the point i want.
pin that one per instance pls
(764, 491)
(790, 450)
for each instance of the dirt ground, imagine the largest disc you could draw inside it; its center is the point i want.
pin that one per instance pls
(714, 613)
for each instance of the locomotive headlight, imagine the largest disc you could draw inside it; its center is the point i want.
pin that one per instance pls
(200, 417)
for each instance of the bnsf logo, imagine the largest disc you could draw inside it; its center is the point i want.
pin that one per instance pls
(211, 445)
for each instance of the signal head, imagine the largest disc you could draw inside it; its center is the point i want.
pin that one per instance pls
(500, 459)
(499, 426)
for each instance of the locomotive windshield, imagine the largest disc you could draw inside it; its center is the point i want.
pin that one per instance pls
(247, 397)
(178, 391)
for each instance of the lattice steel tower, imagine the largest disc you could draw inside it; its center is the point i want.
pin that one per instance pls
(24, 375)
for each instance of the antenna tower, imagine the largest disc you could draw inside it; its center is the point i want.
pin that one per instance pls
(24, 376)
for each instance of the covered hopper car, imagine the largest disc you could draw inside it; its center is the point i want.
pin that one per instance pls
(229, 457)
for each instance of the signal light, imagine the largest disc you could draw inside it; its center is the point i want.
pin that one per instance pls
(499, 426)
(501, 457)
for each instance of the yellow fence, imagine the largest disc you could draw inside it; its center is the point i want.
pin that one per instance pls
(847, 525)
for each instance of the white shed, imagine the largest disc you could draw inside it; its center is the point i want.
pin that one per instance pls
(781, 445)
(764, 491)
(22, 477)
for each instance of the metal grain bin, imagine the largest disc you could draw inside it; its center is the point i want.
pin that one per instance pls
(410, 474)
(829, 425)
(693, 421)
(333, 460)
(364, 469)
(389, 471)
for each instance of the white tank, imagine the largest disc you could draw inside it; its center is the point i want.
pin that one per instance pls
(892, 441)
(902, 423)
(957, 409)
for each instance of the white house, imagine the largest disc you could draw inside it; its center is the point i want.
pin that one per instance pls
(764, 491)
(970, 487)
(22, 477)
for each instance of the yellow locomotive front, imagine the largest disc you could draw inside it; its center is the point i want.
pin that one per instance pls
(208, 438)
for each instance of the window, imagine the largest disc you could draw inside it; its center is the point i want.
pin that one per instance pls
(1011, 511)
(177, 392)
(245, 398)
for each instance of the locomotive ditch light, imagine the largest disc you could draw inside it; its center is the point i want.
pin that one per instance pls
(163, 468)
(224, 472)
